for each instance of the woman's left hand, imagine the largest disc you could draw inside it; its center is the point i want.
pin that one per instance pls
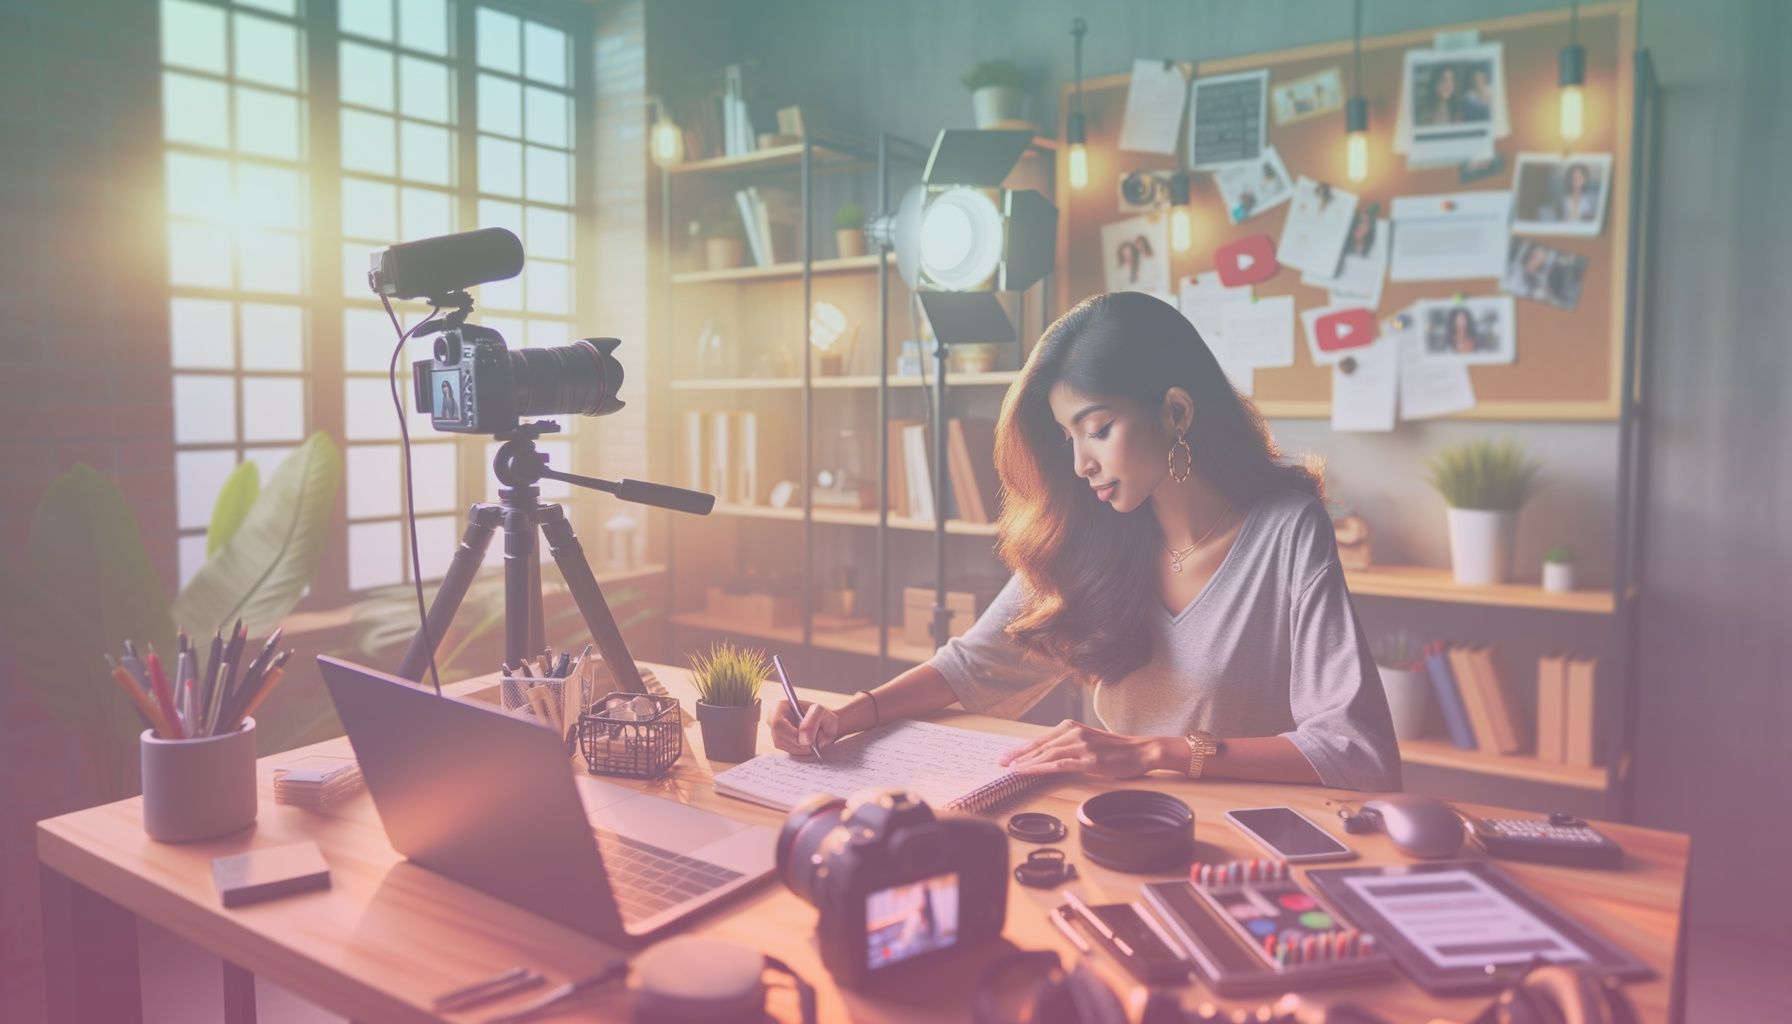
(1072, 746)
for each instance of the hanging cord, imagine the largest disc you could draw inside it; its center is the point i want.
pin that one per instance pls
(410, 497)
(1356, 60)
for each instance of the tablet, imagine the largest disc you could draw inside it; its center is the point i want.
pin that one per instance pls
(1465, 926)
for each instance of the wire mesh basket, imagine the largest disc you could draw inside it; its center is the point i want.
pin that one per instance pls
(638, 747)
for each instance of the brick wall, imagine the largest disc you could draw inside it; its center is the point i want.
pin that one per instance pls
(83, 360)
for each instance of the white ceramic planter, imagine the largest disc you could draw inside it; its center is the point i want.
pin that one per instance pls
(994, 104)
(1481, 542)
(1409, 699)
(1558, 577)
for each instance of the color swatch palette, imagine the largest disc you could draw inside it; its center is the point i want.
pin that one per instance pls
(1275, 917)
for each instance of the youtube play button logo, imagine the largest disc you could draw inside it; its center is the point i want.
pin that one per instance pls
(1246, 261)
(1346, 328)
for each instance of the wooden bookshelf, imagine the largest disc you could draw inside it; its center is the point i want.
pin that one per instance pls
(994, 378)
(760, 159)
(854, 517)
(777, 271)
(860, 640)
(1426, 583)
(1443, 754)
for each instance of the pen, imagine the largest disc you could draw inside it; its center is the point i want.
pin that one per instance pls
(267, 687)
(144, 707)
(517, 979)
(1062, 923)
(1075, 903)
(165, 698)
(796, 714)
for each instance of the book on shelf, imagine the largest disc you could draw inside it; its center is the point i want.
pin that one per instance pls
(737, 118)
(721, 451)
(1473, 701)
(1579, 748)
(1552, 708)
(696, 450)
(746, 457)
(919, 473)
(1507, 724)
(899, 503)
(749, 221)
(970, 455)
(1449, 697)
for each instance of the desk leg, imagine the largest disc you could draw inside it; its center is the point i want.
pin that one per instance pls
(90, 954)
(239, 995)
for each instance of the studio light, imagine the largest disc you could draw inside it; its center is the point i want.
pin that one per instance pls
(959, 236)
(1571, 75)
(1356, 112)
(1076, 129)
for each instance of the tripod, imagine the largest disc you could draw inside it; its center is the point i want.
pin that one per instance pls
(519, 466)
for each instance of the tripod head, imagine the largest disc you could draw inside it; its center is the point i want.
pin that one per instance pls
(519, 465)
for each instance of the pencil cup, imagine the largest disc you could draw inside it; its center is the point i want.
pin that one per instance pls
(198, 789)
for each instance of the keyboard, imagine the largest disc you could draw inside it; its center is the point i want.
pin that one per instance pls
(646, 879)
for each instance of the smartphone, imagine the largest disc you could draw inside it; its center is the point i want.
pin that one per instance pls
(1288, 834)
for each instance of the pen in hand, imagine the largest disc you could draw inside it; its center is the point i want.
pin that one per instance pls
(796, 712)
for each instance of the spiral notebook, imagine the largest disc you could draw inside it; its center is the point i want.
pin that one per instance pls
(952, 769)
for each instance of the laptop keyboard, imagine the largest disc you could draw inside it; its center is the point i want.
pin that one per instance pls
(647, 879)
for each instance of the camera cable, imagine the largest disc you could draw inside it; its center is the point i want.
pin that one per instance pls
(410, 499)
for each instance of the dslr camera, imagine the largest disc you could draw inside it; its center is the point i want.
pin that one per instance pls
(476, 385)
(896, 886)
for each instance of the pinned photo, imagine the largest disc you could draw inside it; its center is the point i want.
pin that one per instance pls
(1136, 255)
(1452, 105)
(1543, 273)
(1248, 189)
(1315, 95)
(1560, 195)
(1318, 223)
(1474, 332)
(1226, 119)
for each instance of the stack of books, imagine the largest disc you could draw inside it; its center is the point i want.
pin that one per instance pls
(970, 469)
(1479, 713)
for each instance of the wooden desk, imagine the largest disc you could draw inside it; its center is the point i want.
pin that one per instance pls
(388, 936)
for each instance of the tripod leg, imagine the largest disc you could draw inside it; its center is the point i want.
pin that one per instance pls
(481, 521)
(570, 557)
(522, 592)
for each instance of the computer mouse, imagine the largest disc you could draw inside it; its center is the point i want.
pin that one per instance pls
(1420, 826)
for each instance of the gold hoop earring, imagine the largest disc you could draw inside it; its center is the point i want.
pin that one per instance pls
(1188, 460)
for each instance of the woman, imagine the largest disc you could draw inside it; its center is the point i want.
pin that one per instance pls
(1465, 337)
(1442, 104)
(1477, 102)
(1580, 201)
(446, 407)
(1164, 554)
(1361, 240)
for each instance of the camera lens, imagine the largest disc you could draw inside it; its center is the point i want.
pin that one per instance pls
(800, 843)
(580, 379)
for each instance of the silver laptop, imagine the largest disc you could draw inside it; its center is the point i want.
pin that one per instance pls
(488, 800)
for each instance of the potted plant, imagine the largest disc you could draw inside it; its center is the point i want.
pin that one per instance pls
(1558, 569)
(1484, 483)
(849, 231)
(724, 240)
(996, 92)
(727, 680)
(1405, 681)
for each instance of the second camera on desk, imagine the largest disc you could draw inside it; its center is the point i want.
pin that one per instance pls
(895, 885)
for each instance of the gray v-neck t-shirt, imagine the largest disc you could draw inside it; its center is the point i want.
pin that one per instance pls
(1271, 646)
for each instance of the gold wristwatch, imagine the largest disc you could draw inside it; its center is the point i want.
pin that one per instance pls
(1200, 744)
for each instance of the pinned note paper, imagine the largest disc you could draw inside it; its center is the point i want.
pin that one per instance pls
(1259, 333)
(1364, 388)
(1428, 387)
(1155, 99)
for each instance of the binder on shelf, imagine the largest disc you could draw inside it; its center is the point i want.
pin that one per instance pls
(1579, 748)
(780, 219)
(746, 458)
(1443, 685)
(899, 503)
(749, 217)
(1497, 699)
(920, 474)
(970, 453)
(721, 466)
(696, 446)
(1552, 707)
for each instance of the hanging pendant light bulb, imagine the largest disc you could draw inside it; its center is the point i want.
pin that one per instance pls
(1076, 132)
(667, 140)
(1571, 75)
(1356, 112)
(1182, 236)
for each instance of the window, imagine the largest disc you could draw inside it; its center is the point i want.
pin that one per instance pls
(445, 118)
(234, 102)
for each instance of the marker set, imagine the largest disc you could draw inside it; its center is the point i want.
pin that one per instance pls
(1250, 928)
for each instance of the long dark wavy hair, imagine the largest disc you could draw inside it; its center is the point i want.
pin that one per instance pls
(1087, 598)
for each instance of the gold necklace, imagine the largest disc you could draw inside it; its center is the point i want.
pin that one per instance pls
(1176, 557)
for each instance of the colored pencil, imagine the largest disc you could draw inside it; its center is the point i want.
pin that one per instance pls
(165, 697)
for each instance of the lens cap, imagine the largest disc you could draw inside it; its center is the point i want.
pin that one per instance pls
(1044, 869)
(1036, 827)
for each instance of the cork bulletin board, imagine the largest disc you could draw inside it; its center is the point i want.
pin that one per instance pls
(1568, 363)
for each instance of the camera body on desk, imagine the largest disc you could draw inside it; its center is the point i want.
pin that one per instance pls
(895, 885)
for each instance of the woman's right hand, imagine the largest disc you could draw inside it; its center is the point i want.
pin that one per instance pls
(821, 727)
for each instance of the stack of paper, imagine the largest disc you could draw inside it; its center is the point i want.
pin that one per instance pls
(318, 782)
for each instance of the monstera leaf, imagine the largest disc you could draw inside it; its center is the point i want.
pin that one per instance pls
(235, 499)
(89, 585)
(263, 569)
